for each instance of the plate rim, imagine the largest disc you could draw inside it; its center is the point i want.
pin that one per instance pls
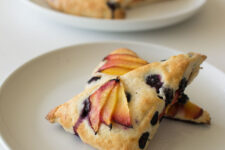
(3, 142)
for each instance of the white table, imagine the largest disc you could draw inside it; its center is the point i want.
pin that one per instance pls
(25, 34)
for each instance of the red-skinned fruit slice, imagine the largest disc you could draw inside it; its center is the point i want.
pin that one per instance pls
(121, 114)
(192, 111)
(173, 110)
(98, 99)
(116, 71)
(187, 110)
(120, 63)
(126, 57)
(110, 105)
(173, 102)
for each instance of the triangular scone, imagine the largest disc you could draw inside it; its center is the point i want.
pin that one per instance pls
(121, 61)
(130, 120)
(109, 9)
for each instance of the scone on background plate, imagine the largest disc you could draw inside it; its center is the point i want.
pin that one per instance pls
(108, 9)
(124, 112)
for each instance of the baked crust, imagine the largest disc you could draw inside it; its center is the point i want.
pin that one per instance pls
(107, 9)
(203, 118)
(88, 8)
(143, 105)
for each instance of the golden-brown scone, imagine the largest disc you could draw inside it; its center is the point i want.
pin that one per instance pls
(183, 110)
(139, 105)
(89, 8)
(108, 9)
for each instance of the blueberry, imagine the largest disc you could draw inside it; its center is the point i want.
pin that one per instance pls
(160, 97)
(183, 85)
(113, 6)
(95, 78)
(128, 95)
(143, 140)
(86, 108)
(84, 113)
(154, 81)
(168, 95)
(155, 118)
(117, 79)
(183, 98)
(110, 126)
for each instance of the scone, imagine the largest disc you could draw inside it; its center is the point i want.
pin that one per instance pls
(108, 9)
(123, 60)
(124, 112)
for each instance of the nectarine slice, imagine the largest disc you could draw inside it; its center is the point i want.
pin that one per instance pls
(116, 71)
(121, 114)
(187, 110)
(110, 105)
(120, 63)
(126, 57)
(97, 100)
(192, 111)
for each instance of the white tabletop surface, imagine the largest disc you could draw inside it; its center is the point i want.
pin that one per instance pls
(25, 34)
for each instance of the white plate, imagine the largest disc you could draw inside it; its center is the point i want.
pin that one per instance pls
(53, 78)
(153, 16)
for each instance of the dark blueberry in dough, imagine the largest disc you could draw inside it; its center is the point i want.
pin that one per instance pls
(128, 95)
(84, 113)
(160, 97)
(95, 78)
(110, 126)
(113, 6)
(183, 85)
(155, 118)
(163, 60)
(168, 95)
(117, 80)
(86, 108)
(154, 80)
(143, 140)
(183, 99)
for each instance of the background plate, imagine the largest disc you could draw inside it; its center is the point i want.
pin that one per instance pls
(153, 16)
(53, 78)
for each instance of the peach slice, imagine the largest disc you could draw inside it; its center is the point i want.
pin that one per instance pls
(173, 110)
(121, 114)
(116, 71)
(126, 57)
(110, 105)
(123, 51)
(98, 99)
(187, 110)
(120, 63)
(192, 111)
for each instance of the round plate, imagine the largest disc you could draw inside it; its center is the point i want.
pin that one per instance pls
(152, 16)
(53, 78)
